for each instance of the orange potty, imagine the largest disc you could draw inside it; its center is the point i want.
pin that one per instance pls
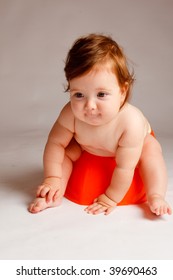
(92, 175)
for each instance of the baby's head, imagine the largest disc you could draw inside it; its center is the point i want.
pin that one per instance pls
(90, 51)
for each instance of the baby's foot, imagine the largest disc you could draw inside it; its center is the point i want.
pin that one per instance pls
(159, 206)
(40, 204)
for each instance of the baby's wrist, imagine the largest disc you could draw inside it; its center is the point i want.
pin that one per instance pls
(111, 199)
(112, 196)
(104, 200)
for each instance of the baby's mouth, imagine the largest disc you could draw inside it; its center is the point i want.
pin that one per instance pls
(92, 115)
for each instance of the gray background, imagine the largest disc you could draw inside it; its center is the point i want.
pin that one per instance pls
(35, 38)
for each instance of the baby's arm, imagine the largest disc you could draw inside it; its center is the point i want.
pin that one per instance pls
(126, 159)
(127, 156)
(59, 138)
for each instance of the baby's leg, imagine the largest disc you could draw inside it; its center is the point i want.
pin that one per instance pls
(154, 175)
(72, 153)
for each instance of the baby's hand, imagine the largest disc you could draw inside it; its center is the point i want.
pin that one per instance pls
(100, 205)
(50, 189)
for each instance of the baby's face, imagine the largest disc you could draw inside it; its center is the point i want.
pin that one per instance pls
(96, 97)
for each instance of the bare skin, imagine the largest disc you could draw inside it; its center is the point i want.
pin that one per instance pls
(93, 115)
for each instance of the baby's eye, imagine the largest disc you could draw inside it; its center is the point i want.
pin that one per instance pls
(79, 95)
(102, 94)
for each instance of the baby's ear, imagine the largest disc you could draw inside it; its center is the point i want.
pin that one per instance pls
(124, 90)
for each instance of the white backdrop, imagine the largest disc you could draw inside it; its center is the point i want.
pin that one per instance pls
(36, 35)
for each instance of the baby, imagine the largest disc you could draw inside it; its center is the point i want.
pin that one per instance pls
(99, 119)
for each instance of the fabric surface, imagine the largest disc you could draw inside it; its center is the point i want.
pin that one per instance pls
(68, 232)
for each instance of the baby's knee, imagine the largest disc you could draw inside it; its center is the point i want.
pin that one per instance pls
(73, 150)
(151, 147)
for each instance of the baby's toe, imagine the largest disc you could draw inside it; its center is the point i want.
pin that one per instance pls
(31, 208)
(169, 211)
(36, 206)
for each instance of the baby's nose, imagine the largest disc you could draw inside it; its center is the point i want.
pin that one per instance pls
(90, 104)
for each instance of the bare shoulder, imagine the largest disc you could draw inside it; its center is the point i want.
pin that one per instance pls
(66, 117)
(134, 113)
(135, 125)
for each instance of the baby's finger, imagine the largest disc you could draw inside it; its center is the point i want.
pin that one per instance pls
(109, 210)
(88, 208)
(44, 191)
(99, 210)
(56, 195)
(96, 209)
(39, 190)
(50, 195)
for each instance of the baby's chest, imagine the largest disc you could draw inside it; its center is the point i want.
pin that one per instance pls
(103, 138)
